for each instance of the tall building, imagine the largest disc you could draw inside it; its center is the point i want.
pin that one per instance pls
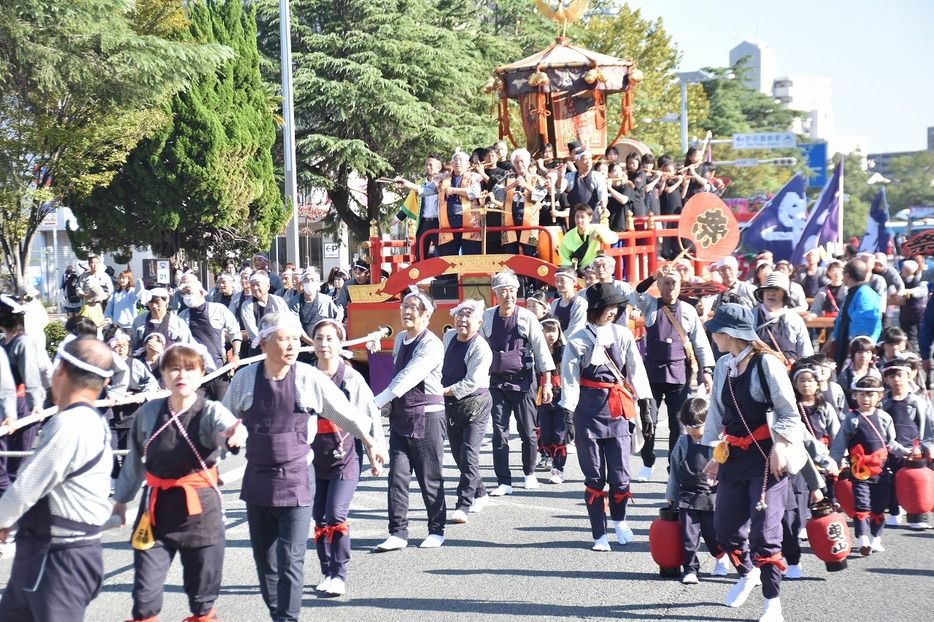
(812, 96)
(760, 64)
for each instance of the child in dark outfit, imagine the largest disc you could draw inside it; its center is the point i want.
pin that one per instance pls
(692, 493)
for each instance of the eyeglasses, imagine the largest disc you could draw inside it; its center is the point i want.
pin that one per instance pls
(412, 307)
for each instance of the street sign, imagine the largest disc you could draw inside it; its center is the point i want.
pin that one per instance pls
(332, 249)
(50, 219)
(163, 274)
(746, 162)
(765, 140)
(816, 156)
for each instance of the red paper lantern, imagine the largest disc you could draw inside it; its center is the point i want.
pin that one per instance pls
(665, 543)
(843, 493)
(829, 536)
(914, 487)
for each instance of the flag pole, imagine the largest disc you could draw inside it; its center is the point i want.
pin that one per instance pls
(842, 197)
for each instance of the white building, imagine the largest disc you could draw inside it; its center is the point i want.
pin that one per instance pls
(760, 64)
(812, 96)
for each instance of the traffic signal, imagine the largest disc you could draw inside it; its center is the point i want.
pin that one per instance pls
(784, 161)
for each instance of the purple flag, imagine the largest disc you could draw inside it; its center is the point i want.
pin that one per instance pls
(876, 239)
(823, 224)
(779, 225)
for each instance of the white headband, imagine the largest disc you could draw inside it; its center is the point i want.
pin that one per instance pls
(853, 387)
(429, 306)
(93, 369)
(285, 320)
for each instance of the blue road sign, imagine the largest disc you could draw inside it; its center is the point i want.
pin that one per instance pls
(816, 156)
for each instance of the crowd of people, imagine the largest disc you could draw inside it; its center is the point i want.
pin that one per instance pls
(763, 412)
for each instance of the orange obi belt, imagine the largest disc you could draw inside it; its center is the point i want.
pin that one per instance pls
(620, 400)
(21, 390)
(863, 466)
(326, 426)
(189, 483)
(743, 442)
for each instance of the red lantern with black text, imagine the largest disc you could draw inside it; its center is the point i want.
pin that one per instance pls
(665, 543)
(829, 536)
(914, 487)
(843, 493)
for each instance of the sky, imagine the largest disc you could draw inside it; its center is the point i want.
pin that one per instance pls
(879, 55)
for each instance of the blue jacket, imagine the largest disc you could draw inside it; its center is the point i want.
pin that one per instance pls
(865, 313)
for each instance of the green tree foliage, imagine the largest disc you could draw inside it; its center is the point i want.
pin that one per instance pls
(736, 108)
(204, 182)
(912, 181)
(624, 33)
(79, 88)
(857, 193)
(377, 86)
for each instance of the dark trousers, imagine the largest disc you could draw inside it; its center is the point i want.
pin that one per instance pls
(216, 389)
(552, 426)
(522, 405)
(513, 248)
(912, 330)
(425, 456)
(694, 525)
(459, 246)
(279, 537)
(674, 395)
(201, 577)
(870, 500)
(332, 504)
(423, 244)
(71, 579)
(796, 513)
(465, 447)
(751, 536)
(604, 461)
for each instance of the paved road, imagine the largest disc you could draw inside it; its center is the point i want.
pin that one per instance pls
(528, 557)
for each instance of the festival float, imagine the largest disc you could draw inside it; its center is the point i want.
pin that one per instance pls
(561, 96)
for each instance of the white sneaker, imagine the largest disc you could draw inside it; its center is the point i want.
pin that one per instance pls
(323, 585)
(743, 588)
(721, 567)
(894, 521)
(803, 534)
(772, 611)
(531, 482)
(459, 517)
(645, 474)
(689, 578)
(919, 526)
(501, 490)
(433, 541)
(478, 503)
(571, 448)
(601, 544)
(877, 545)
(793, 571)
(336, 587)
(557, 476)
(392, 543)
(865, 548)
(624, 534)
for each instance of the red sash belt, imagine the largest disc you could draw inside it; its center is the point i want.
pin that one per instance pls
(21, 390)
(328, 531)
(620, 399)
(619, 497)
(759, 434)
(189, 483)
(326, 426)
(864, 466)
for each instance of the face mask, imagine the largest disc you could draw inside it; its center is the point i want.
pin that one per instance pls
(188, 300)
(309, 288)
